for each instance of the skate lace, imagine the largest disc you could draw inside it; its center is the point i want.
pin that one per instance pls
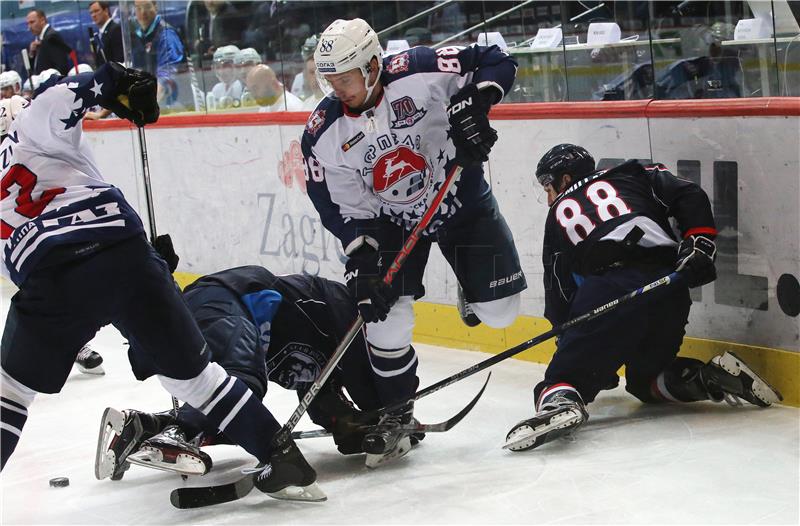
(732, 400)
(261, 471)
(84, 353)
(389, 421)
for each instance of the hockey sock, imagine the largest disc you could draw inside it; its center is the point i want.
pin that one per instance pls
(14, 402)
(12, 418)
(396, 371)
(230, 406)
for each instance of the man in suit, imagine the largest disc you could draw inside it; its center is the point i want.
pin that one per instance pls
(107, 42)
(48, 48)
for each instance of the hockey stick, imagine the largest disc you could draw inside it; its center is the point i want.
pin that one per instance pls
(555, 331)
(418, 427)
(151, 215)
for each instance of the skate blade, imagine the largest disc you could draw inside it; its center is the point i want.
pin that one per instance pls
(524, 437)
(105, 459)
(401, 449)
(154, 459)
(767, 394)
(97, 371)
(310, 493)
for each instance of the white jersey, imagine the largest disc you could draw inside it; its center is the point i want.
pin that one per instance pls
(232, 90)
(286, 102)
(390, 160)
(53, 193)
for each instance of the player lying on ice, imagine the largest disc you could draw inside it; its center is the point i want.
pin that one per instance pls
(607, 233)
(377, 149)
(77, 251)
(259, 327)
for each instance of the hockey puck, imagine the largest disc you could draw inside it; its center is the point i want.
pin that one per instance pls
(59, 482)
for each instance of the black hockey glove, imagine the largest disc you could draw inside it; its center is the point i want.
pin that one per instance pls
(163, 245)
(470, 131)
(364, 277)
(696, 255)
(134, 97)
(332, 410)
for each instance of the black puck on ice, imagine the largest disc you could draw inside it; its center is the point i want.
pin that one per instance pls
(59, 482)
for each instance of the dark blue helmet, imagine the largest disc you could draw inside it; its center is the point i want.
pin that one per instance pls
(564, 159)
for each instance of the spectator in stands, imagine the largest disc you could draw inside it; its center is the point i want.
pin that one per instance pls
(213, 24)
(268, 92)
(264, 29)
(107, 42)
(10, 84)
(305, 84)
(157, 49)
(227, 93)
(48, 49)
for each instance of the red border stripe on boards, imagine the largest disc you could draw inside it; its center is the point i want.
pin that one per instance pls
(629, 109)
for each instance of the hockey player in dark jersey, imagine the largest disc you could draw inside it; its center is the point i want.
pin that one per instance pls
(376, 150)
(259, 327)
(607, 233)
(77, 251)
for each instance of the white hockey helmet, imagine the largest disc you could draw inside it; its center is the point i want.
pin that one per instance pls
(344, 46)
(247, 56)
(82, 68)
(44, 76)
(9, 109)
(11, 79)
(224, 59)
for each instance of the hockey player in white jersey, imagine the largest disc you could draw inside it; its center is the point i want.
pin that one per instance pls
(226, 93)
(376, 150)
(77, 251)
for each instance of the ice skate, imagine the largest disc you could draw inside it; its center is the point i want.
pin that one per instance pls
(469, 318)
(559, 415)
(170, 451)
(89, 361)
(121, 432)
(727, 377)
(287, 476)
(384, 442)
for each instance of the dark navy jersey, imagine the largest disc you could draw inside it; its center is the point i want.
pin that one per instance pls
(617, 217)
(312, 318)
(389, 160)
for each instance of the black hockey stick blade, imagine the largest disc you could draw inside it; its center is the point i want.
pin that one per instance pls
(200, 497)
(448, 424)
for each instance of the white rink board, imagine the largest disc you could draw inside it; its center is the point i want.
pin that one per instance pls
(219, 193)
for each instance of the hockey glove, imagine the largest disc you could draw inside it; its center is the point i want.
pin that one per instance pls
(163, 245)
(696, 255)
(332, 410)
(364, 277)
(470, 131)
(135, 95)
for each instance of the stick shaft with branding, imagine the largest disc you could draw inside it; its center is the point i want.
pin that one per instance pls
(284, 435)
(555, 331)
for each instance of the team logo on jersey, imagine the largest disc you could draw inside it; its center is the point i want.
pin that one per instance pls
(406, 112)
(295, 365)
(315, 122)
(401, 176)
(398, 64)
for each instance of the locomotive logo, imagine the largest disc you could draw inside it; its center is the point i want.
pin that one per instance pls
(401, 176)
(398, 64)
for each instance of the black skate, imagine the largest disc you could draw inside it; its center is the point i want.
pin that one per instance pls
(287, 476)
(89, 361)
(384, 442)
(121, 433)
(465, 310)
(560, 415)
(171, 451)
(727, 377)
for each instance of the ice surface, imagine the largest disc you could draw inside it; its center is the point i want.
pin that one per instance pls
(699, 463)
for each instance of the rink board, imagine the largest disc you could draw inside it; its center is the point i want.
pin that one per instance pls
(231, 191)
